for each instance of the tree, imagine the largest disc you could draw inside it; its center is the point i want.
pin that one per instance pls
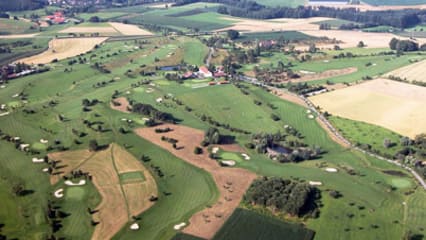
(312, 48)
(94, 19)
(93, 145)
(233, 34)
(198, 150)
(361, 44)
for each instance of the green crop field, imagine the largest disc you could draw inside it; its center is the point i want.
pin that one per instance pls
(395, 2)
(286, 35)
(9, 26)
(247, 225)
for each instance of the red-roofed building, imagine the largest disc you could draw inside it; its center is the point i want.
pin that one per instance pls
(56, 18)
(204, 72)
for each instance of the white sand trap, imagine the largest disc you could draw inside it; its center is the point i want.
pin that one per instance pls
(4, 114)
(59, 193)
(134, 226)
(3, 86)
(16, 95)
(3, 107)
(313, 183)
(179, 226)
(80, 183)
(145, 119)
(332, 170)
(149, 90)
(310, 116)
(215, 150)
(228, 163)
(308, 111)
(286, 126)
(128, 92)
(44, 140)
(246, 157)
(159, 100)
(45, 169)
(124, 119)
(16, 138)
(24, 146)
(38, 160)
(152, 84)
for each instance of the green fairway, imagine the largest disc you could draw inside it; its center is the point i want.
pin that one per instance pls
(75, 193)
(401, 183)
(365, 133)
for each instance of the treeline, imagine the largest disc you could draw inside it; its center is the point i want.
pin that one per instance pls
(284, 196)
(250, 9)
(20, 5)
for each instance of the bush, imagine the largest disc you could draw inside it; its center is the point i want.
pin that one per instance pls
(198, 150)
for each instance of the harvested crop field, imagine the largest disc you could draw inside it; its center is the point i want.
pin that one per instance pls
(232, 183)
(366, 7)
(305, 77)
(390, 104)
(120, 200)
(413, 72)
(309, 26)
(129, 29)
(63, 48)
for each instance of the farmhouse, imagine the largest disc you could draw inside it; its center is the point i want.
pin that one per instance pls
(203, 72)
(56, 18)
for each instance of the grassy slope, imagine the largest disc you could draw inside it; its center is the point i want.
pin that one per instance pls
(191, 188)
(9, 26)
(367, 133)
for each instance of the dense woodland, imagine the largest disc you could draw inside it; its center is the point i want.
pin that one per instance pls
(19, 5)
(284, 196)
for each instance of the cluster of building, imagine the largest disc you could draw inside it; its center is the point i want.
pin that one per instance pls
(56, 18)
(204, 72)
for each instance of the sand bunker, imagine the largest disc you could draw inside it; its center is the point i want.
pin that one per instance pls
(228, 163)
(38, 160)
(80, 183)
(331, 170)
(314, 183)
(59, 193)
(134, 226)
(179, 226)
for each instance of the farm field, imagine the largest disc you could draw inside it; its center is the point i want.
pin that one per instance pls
(357, 103)
(244, 224)
(9, 26)
(29, 48)
(64, 48)
(412, 72)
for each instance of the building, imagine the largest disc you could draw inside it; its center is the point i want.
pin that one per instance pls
(203, 72)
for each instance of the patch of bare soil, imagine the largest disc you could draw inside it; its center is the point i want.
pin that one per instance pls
(120, 104)
(232, 183)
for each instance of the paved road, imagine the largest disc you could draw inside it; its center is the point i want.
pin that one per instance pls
(333, 130)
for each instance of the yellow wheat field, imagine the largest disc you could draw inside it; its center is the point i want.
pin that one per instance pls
(390, 104)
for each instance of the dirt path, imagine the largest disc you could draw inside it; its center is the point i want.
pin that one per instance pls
(232, 183)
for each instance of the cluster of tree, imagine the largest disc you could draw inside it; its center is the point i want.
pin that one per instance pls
(302, 88)
(284, 196)
(21, 5)
(405, 45)
(282, 148)
(215, 123)
(4, 15)
(95, 146)
(152, 112)
(211, 136)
